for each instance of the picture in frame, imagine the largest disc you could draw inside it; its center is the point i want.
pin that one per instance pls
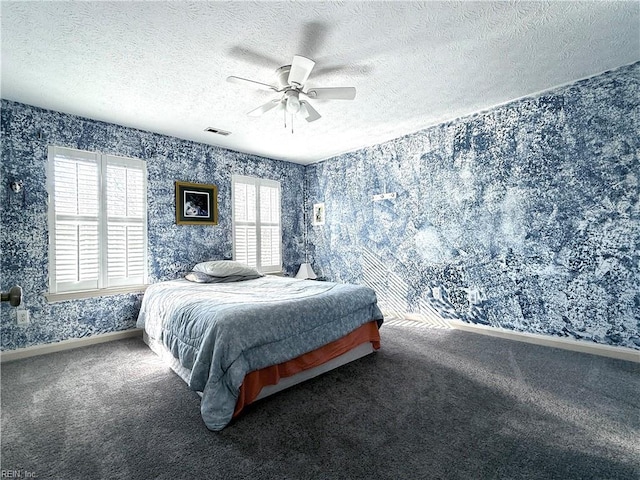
(318, 214)
(196, 204)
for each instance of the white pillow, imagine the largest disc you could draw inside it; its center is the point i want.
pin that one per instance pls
(226, 268)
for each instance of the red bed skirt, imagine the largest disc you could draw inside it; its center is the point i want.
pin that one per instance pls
(256, 380)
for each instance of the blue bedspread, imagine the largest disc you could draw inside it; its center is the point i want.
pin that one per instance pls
(221, 332)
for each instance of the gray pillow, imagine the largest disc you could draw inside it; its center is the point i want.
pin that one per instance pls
(226, 268)
(200, 277)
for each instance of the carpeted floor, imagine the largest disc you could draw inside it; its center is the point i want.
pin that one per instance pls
(431, 404)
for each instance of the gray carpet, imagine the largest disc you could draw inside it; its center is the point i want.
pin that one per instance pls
(431, 404)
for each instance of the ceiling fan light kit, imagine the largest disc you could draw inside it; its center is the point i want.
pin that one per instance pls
(291, 80)
(292, 101)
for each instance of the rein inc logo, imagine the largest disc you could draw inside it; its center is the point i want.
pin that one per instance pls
(17, 474)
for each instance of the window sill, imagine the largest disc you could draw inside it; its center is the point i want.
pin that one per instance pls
(104, 292)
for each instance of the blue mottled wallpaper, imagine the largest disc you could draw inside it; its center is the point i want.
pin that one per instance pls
(525, 217)
(173, 249)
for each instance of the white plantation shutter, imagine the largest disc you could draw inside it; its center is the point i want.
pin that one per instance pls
(257, 238)
(125, 222)
(97, 221)
(75, 257)
(246, 245)
(244, 220)
(270, 239)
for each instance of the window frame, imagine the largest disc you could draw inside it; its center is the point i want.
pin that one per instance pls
(258, 182)
(102, 161)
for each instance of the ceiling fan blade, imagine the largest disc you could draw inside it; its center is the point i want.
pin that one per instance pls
(271, 104)
(310, 113)
(332, 93)
(300, 70)
(242, 81)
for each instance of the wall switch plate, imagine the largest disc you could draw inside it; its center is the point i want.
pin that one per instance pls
(23, 316)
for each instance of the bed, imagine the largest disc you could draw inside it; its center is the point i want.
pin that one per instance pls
(240, 340)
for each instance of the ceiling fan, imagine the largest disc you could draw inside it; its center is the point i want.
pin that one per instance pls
(290, 81)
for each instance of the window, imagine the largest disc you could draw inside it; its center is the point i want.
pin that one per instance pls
(97, 222)
(257, 238)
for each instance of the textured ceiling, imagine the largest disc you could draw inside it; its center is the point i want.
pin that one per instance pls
(161, 66)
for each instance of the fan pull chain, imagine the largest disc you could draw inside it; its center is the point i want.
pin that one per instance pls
(285, 121)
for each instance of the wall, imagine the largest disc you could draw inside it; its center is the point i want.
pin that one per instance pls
(534, 204)
(173, 249)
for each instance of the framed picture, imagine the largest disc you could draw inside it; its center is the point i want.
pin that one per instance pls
(196, 204)
(318, 214)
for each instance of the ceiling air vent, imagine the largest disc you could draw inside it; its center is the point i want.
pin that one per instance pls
(218, 131)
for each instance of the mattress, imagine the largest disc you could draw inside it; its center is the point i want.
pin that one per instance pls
(216, 334)
(267, 381)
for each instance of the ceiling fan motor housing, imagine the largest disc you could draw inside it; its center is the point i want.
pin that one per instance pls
(282, 76)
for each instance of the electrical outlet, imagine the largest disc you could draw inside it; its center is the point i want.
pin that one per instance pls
(474, 296)
(437, 293)
(23, 316)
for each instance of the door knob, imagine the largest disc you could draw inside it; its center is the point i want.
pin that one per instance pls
(13, 296)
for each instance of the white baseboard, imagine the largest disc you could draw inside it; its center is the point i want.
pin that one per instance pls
(10, 355)
(621, 353)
